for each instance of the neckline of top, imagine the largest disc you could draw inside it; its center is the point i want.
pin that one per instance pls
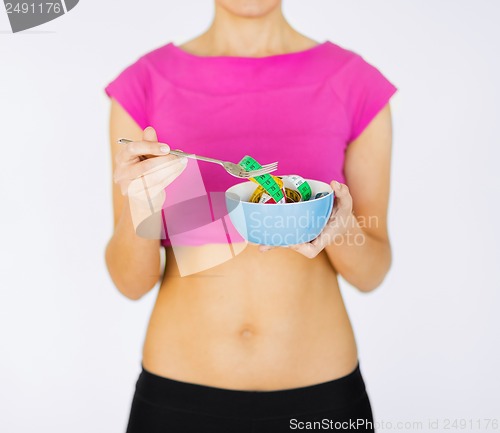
(292, 54)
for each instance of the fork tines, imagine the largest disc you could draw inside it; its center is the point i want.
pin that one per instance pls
(260, 171)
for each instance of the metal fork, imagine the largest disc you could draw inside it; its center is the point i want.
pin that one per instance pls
(232, 168)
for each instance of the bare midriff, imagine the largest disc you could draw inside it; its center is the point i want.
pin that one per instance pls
(260, 321)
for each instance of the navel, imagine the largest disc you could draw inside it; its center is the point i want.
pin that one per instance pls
(247, 332)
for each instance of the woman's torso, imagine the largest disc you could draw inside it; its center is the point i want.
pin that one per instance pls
(239, 324)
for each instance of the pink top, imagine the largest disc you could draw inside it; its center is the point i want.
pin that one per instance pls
(301, 109)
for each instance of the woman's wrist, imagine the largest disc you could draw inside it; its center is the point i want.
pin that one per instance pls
(133, 226)
(345, 229)
(144, 216)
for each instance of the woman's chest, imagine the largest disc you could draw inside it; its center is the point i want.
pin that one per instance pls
(304, 129)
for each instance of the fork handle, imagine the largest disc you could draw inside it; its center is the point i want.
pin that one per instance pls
(195, 156)
(181, 153)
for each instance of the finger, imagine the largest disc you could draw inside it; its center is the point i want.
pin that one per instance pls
(307, 249)
(160, 176)
(152, 185)
(343, 197)
(321, 241)
(136, 148)
(147, 167)
(149, 134)
(151, 165)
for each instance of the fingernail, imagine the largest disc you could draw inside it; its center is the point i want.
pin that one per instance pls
(337, 185)
(164, 149)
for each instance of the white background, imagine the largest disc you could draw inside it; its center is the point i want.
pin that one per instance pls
(428, 337)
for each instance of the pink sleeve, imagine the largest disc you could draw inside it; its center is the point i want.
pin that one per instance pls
(365, 92)
(130, 89)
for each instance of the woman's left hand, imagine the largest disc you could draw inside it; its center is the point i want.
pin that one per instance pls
(337, 225)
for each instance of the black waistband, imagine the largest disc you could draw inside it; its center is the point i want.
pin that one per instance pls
(192, 397)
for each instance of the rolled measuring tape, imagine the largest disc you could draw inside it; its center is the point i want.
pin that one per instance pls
(295, 181)
(260, 195)
(291, 195)
(268, 182)
(277, 189)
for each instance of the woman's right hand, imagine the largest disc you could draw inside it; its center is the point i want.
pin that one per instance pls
(145, 180)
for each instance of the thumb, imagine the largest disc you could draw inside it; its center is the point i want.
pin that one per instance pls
(149, 134)
(335, 185)
(339, 189)
(342, 194)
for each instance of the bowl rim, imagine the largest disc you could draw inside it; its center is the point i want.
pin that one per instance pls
(278, 204)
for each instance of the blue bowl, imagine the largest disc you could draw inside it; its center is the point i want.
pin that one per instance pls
(280, 224)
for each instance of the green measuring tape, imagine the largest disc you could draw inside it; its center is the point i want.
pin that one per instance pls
(265, 180)
(301, 185)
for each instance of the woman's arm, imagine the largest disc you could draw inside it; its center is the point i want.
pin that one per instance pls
(355, 237)
(362, 255)
(133, 262)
